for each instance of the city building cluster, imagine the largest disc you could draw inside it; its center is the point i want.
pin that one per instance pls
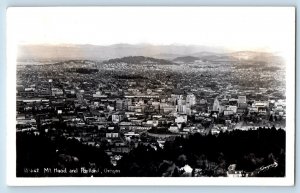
(116, 107)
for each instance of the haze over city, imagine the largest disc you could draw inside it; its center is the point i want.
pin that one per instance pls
(232, 29)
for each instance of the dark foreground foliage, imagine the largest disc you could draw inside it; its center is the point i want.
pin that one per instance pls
(249, 150)
(210, 154)
(39, 152)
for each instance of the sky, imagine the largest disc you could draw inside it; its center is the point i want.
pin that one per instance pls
(234, 28)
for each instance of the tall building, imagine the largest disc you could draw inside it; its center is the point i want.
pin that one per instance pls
(191, 99)
(119, 104)
(127, 103)
(115, 118)
(241, 100)
(216, 105)
(188, 111)
(181, 108)
(179, 100)
(50, 86)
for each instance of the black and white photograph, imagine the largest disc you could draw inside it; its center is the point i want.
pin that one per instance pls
(151, 95)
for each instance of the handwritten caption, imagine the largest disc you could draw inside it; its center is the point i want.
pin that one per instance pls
(81, 170)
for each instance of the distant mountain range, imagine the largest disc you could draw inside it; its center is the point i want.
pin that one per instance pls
(97, 52)
(167, 53)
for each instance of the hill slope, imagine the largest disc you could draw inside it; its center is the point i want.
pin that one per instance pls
(186, 59)
(137, 60)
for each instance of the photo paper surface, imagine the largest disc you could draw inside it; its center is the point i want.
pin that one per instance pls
(150, 96)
